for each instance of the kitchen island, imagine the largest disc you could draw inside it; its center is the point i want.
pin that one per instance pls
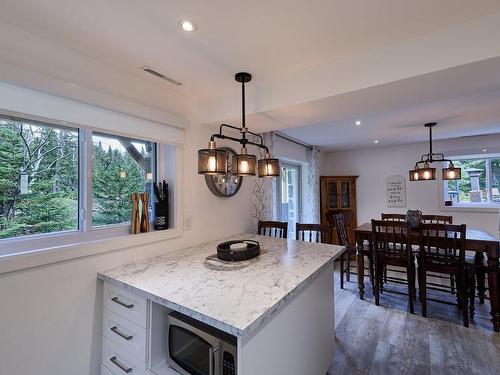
(278, 306)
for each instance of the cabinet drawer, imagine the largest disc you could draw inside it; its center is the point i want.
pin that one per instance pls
(125, 333)
(119, 361)
(126, 304)
(105, 371)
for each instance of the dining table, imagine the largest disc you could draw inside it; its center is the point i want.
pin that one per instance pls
(477, 240)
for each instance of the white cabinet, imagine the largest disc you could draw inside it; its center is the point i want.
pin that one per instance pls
(105, 371)
(125, 332)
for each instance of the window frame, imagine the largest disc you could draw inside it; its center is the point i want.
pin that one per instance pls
(489, 206)
(87, 239)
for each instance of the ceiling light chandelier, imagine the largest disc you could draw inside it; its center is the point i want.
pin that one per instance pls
(213, 161)
(423, 170)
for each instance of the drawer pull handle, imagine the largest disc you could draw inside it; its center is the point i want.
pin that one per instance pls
(121, 334)
(124, 368)
(116, 300)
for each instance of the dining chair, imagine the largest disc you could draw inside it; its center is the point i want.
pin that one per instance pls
(426, 219)
(277, 229)
(392, 246)
(439, 219)
(442, 250)
(401, 218)
(350, 250)
(313, 233)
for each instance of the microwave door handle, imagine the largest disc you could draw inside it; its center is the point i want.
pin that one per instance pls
(211, 352)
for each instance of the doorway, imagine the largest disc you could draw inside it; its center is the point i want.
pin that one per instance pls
(290, 196)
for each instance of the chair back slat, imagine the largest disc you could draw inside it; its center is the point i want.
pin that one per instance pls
(273, 229)
(340, 227)
(313, 233)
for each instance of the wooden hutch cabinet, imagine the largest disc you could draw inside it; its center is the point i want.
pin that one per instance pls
(338, 195)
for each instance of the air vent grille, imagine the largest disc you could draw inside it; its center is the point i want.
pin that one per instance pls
(149, 70)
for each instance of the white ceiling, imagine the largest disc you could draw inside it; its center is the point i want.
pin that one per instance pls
(305, 56)
(267, 37)
(464, 101)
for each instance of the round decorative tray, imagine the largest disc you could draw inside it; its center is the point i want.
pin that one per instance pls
(235, 251)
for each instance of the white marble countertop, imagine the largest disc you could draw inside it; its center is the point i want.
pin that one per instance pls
(235, 298)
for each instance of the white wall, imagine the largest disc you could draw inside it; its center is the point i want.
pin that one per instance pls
(50, 316)
(374, 165)
(289, 151)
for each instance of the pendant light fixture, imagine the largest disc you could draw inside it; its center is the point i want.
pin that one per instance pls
(424, 172)
(214, 161)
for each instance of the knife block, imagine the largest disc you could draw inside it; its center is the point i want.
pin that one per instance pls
(161, 215)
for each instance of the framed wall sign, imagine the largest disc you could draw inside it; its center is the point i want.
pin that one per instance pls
(395, 191)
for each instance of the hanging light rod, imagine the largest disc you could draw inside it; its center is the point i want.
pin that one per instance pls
(213, 161)
(293, 140)
(424, 172)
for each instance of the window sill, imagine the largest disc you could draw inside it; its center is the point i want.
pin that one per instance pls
(53, 254)
(485, 208)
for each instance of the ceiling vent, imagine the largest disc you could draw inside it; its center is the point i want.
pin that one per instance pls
(149, 70)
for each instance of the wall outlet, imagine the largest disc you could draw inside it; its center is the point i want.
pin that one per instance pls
(187, 224)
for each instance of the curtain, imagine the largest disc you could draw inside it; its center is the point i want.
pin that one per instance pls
(311, 209)
(264, 198)
(263, 189)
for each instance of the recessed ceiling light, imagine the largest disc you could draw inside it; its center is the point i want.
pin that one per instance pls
(484, 149)
(375, 141)
(357, 123)
(188, 25)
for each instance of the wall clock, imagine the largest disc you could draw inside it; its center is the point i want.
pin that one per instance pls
(225, 185)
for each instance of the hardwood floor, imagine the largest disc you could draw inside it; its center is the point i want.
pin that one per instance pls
(387, 339)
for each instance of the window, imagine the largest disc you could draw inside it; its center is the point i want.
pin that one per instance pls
(55, 178)
(479, 185)
(120, 167)
(38, 178)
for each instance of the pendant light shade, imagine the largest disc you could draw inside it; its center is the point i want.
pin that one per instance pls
(426, 173)
(452, 173)
(413, 174)
(212, 161)
(244, 164)
(269, 167)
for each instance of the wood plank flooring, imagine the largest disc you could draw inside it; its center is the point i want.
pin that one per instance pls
(387, 339)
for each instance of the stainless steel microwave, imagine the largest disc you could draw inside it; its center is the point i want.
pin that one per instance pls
(194, 348)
